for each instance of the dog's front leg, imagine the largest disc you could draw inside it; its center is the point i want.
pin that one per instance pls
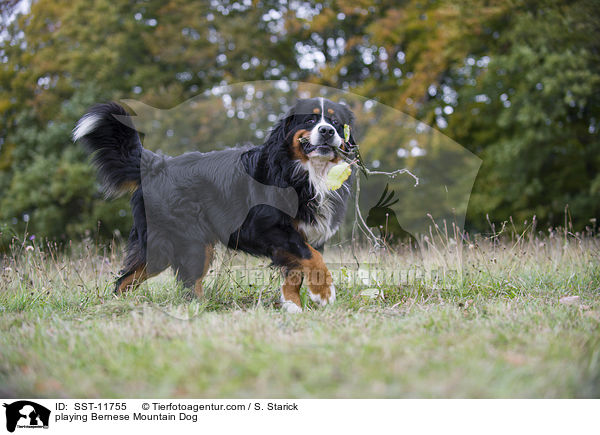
(320, 283)
(290, 291)
(303, 260)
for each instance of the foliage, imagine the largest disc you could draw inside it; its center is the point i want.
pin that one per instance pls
(532, 114)
(515, 82)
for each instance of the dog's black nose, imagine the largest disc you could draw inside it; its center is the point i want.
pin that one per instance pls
(326, 131)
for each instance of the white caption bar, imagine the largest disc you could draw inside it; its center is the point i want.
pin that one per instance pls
(302, 416)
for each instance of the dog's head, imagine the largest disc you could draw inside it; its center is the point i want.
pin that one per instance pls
(313, 130)
(317, 129)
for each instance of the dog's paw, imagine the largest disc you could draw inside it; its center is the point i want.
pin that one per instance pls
(331, 299)
(290, 307)
(323, 299)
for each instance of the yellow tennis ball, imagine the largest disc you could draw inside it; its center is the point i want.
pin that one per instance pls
(337, 175)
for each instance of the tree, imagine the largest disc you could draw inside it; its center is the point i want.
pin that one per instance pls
(515, 82)
(530, 107)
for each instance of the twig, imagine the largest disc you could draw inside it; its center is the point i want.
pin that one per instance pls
(376, 241)
(394, 173)
(352, 156)
(365, 229)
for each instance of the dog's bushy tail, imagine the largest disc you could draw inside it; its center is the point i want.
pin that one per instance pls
(107, 133)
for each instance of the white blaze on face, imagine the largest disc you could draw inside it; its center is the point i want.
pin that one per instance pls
(317, 166)
(314, 134)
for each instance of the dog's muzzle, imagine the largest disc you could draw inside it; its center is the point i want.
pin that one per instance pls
(326, 152)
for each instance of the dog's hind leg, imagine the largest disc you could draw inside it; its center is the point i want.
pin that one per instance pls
(131, 279)
(209, 251)
(193, 265)
(135, 271)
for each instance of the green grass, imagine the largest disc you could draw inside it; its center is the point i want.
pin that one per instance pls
(499, 332)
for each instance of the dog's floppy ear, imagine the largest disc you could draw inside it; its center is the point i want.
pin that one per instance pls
(280, 131)
(289, 117)
(292, 110)
(347, 115)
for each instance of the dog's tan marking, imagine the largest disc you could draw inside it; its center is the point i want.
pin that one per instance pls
(317, 275)
(133, 280)
(208, 257)
(128, 187)
(316, 111)
(296, 149)
(330, 111)
(290, 290)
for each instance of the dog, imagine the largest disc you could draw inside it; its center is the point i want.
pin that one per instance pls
(290, 215)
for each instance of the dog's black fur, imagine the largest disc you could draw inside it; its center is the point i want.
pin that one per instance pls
(281, 161)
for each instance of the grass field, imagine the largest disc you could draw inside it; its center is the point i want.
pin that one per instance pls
(504, 330)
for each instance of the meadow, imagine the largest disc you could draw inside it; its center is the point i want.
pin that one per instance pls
(521, 320)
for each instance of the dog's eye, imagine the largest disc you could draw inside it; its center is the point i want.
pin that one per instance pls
(311, 121)
(335, 122)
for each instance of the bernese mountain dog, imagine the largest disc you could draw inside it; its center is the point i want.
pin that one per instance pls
(296, 156)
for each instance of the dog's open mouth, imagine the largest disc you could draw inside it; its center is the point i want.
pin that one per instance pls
(321, 151)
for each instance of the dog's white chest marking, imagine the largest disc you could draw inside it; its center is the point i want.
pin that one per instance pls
(319, 231)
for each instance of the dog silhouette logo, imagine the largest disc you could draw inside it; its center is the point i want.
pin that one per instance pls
(383, 217)
(26, 414)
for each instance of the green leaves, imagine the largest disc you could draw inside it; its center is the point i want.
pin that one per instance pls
(516, 83)
(536, 131)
